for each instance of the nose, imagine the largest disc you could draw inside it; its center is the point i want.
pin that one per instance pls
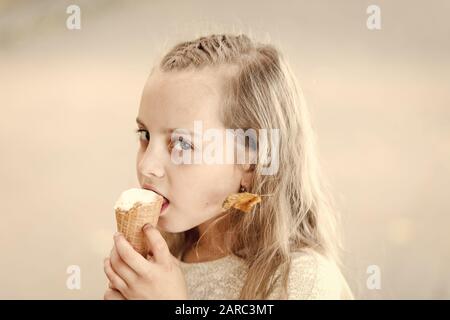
(150, 162)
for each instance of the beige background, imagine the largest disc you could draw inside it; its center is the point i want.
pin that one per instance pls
(380, 105)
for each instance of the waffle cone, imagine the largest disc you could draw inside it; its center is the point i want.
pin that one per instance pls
(130, 222)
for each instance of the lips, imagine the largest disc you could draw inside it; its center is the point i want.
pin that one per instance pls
(150, 187)
(164, 206)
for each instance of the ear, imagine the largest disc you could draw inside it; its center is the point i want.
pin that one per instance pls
(248, 171)
(249, 167)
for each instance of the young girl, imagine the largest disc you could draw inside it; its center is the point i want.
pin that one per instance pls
(286, 247)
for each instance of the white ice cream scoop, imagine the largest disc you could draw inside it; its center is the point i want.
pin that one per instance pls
(131, 196)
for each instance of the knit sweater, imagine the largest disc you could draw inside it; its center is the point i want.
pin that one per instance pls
(312, 276)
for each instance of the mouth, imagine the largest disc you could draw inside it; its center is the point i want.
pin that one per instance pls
(164, 205)
(166, 201)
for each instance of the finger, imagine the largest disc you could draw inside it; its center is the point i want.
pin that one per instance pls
(115, 280)
(157, 245)
(130, 256)
(121, 268)
(111, 294)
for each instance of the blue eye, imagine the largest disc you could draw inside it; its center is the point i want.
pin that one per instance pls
(143, 134)
(181, 144)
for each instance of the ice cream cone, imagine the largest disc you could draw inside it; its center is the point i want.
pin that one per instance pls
(134, 209)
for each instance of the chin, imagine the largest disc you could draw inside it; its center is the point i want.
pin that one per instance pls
(166, 225)
(173, 224)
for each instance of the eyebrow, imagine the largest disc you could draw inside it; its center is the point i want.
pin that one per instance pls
(168, 130)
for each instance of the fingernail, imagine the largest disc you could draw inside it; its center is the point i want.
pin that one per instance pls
(147, 226)
(117, 234)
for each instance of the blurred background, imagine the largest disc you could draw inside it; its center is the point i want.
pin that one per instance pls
(380, 103)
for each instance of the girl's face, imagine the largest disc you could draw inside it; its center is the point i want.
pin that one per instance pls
(174, 100)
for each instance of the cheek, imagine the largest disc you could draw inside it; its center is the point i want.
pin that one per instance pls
(207, 186)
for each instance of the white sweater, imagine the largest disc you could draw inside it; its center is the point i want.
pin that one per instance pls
(312, 276)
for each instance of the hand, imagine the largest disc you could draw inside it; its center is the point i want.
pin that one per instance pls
(113, 294)
(135, 277)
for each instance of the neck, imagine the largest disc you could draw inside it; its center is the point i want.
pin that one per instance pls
(211, 242)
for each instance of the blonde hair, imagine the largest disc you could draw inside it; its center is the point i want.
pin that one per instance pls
(298, 214)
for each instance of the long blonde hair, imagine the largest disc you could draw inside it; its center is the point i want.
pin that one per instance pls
(298, 214)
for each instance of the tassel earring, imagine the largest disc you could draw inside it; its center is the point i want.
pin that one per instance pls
(243, 201)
